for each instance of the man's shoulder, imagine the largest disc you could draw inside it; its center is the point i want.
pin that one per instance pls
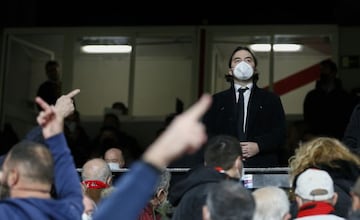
(223, 92)
(262, 92)
(357, 108)
(45, 85)
(197, 192)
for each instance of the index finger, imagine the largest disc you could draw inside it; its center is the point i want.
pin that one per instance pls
(199, 108)
(73, 93)
(42, 103)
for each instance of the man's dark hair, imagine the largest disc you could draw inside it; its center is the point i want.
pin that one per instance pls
(229, 78)
(51, 64)
(229, 200)
(34, 161)
(222, 151)
(242, 48)
(330, 64)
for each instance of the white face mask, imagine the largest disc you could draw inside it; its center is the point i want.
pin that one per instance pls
(243, 71)
(85, 216)
(114, 166)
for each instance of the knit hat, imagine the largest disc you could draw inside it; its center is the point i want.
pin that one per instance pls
(315, 185)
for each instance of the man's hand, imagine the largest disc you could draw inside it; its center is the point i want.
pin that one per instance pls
(249, 149)
(65, 103)
(49, 119)
(186, 134)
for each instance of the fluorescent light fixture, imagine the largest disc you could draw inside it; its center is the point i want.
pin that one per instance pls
(106, 48)
(260, 47)
(287, 47)
(276, 47)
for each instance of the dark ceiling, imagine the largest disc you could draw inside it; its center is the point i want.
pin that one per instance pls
(41, 13)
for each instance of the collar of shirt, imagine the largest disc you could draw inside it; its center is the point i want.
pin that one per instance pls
(246, 93)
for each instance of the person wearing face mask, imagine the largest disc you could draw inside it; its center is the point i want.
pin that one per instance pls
(96, 176)
(115, 159)
(89, 208)
(157, 207)
(255, 116)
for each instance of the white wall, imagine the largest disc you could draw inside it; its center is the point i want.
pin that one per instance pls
(349, 46)
(159, 81)
(102, 81)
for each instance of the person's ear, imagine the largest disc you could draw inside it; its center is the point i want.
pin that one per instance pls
(109, 180)
(205, 213)
(13, 177)
(83, 187)
(334, 198)
(161, 195)
(355, 202)
(287, 216)
(298, 201)
(239, 163)
(239, 166)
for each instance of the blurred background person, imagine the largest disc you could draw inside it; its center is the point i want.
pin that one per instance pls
(77, 138)
(158, 207)
(96, 176)
(352, 133)
(327, 107)
(355, 197)
(272, 203)
(50, 90)
(111, 135)
(121, 107)
(115, 159)
(89, 208)
(228, 200)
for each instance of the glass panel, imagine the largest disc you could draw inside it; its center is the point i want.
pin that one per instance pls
(26, 58)
(163, 73)
(103, 78)
(288, 65)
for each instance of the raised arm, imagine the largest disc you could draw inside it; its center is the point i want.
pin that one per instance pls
(66, 179)
(186, 134)
(65, 103)
(49, 119)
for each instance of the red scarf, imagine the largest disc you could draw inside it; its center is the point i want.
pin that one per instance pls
(219, 169)
(95, 184)
(315, 208)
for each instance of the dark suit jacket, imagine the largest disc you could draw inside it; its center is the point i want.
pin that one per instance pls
(352, 133)
(266, 123)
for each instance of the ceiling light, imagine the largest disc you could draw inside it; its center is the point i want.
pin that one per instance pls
(106, 48)
(276, 47)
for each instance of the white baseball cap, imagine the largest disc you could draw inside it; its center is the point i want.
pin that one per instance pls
(315, 185)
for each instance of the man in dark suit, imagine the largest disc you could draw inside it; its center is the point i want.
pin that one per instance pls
(261, 128)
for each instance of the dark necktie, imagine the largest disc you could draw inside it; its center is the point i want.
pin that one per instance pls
(240, 109)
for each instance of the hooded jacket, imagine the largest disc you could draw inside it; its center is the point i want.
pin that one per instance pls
(189, 195)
